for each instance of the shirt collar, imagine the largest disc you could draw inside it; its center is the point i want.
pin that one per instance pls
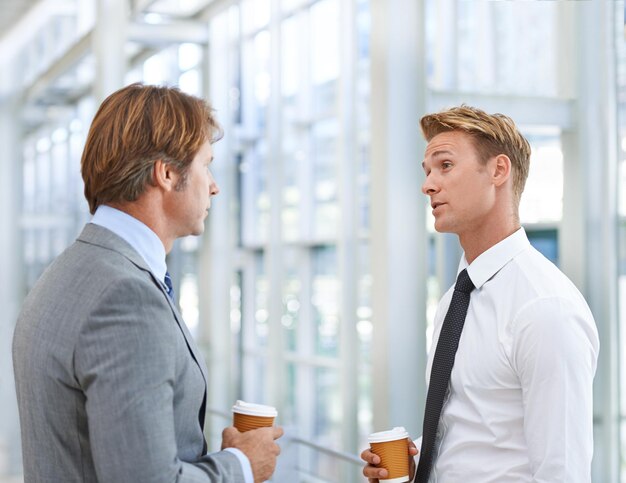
(136, 234)
(488, 263)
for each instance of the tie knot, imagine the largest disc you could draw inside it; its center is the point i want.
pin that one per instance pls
(464, 282)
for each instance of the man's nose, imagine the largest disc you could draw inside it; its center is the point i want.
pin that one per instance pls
(428, 186)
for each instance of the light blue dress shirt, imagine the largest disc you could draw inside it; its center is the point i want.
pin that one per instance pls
(149, 246)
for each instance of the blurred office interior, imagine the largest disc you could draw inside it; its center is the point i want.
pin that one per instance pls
(315, 284)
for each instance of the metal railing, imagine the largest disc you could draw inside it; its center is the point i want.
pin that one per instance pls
(305, 461)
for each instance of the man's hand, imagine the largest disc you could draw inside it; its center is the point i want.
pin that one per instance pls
(373, 473)
(259, 447)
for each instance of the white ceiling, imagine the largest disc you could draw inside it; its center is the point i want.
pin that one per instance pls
(11, 11)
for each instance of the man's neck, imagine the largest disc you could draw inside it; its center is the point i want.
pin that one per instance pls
(482, 238)
(142, 211)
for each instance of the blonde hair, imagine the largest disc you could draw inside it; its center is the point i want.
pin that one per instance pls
(492, 134)
(133, 128)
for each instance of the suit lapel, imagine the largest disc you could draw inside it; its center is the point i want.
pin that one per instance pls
(195, 352)
(98, 235)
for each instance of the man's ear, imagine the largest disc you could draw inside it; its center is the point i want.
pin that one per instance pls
(501, 169)
(164, 175)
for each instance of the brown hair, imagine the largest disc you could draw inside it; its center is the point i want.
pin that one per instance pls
(133, 128)
(492, 134)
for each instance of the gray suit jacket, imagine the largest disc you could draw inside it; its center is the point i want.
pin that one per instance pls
(109, 381)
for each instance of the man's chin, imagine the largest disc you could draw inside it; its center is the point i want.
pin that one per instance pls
(443, 228)
(199, 230)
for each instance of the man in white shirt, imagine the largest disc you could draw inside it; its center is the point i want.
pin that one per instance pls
(111, 386)
(519, 400)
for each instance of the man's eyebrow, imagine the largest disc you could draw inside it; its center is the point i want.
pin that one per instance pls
(441, 152)
(438, 154)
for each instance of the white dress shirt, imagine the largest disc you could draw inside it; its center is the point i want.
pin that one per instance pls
(149, 246)
(519, 407)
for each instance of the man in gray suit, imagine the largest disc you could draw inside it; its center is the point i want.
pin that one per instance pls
(111, 387)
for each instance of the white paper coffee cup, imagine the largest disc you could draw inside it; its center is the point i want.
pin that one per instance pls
(392, 447)
(247, 416)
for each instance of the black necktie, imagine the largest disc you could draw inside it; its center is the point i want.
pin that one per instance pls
(441, 369)
(168, 284)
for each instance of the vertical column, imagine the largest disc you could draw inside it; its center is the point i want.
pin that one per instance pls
(347, 243)
(572, 234)
(595, 140)
(11, 266)
(109, 38)
(398, 214)
(276, 374)
(216, 255)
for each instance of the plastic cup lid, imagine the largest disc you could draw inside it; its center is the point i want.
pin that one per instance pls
(389, 435)
(252, 409)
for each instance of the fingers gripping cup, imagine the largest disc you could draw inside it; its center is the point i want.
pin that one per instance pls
(393, 449)
(247, 416)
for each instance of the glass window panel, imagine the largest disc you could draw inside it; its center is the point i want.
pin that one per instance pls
(134, 75)
(261, 303)
(189, 56)
(364, 329)
(294, 133)
(621, 193)
(542, 200)
(292, 300)
(488, 42)
(29, 182)
(622, 321)
(363, 26)
(289, 5)
(32, 275)
(324, 45)
(255, 14)
(546, 242)
(60, 174)
(324, 152)
(255, 388)
(620, 47)
(291, 55)
(296, 181)
(623, 449)
(43, 246)
(30, 247)
(327, 420)
(161, 68)
(291, 416)
(155, 70)
(363, 187)
(325, 300)
(42, 195)
(77, 186)
(176, 7)
(59, 241)
(255, 98)
(324, 41)
(261, 72)
(190, 82)
(255, 202)
(236, 312)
